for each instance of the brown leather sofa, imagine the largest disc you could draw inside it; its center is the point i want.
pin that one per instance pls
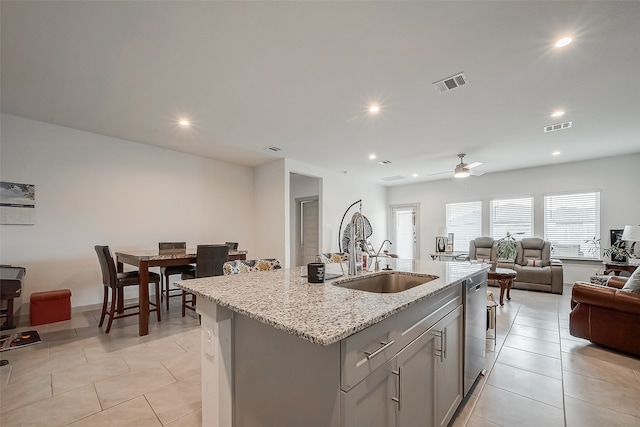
(606, 315)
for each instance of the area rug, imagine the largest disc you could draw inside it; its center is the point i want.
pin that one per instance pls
(18, 340)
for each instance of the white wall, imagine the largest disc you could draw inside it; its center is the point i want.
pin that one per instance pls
(340, 190)
(615, 177)
(92, 189)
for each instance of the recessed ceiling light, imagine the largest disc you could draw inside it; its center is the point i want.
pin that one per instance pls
(372, 156)
(184, 123)
(374, 108)
(555, 153)
(557, 113)
(415, 175)
(563, 42)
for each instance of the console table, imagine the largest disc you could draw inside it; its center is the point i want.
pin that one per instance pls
(617, 267)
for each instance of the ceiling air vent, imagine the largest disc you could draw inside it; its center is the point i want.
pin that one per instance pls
(558, 126)
(394, 178)
(451, 83)
(272, 148)
(384, 162)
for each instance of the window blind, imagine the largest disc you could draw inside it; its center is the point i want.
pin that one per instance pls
(569, 221)
(511, 215)
(464, 220)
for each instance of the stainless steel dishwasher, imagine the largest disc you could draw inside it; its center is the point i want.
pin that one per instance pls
(475, 328)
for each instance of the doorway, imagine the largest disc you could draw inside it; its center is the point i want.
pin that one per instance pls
(305, 201)
(404, 230)
(307, 239)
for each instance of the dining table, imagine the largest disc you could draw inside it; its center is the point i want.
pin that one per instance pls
(145, 259)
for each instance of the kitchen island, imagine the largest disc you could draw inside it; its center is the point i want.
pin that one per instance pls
(277, 350)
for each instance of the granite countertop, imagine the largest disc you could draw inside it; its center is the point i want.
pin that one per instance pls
(321, 312)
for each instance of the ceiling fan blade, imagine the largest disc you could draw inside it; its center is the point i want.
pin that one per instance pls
(474, 164)
(439, 173)
(475, 173)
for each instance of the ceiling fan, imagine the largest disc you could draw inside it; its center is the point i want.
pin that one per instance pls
(462, 169)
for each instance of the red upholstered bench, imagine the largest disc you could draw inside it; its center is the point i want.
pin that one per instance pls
(50, 306)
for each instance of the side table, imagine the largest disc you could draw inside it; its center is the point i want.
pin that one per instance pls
(504, 277)
(617, 267)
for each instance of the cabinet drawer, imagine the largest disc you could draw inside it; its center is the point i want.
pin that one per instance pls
(415, 320)
(366, 351)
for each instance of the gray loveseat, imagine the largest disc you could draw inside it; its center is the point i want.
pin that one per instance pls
(536, 270)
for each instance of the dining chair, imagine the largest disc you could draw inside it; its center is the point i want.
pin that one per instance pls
(116, 282)
(172, 270)
(250, 265)
(210, 259)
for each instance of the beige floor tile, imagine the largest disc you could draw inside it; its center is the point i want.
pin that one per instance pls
(5, 373)
(544, 365)
(184, 366)
(118, 389)
(24, 392)
(536, 323)
(529, 384)
(47, 365)
(193, 419)
(593, 350)
(78, 376)
(58, 410)
(537, 333)
(613, 396)
(508, 409)
(480, 422)
(176, 400)
(146, 356)
(584, 414)
(546, 348)
(132, 413)
(600, 369)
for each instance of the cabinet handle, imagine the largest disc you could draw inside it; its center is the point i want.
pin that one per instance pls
(398, 399)
(440, 352)
(385, 345)
(444, 340)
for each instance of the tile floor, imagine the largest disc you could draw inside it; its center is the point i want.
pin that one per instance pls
(537, 375)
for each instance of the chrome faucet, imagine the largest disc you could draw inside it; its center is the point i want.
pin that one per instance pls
(377, 267)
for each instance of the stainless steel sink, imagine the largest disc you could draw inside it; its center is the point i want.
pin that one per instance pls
(386, 283)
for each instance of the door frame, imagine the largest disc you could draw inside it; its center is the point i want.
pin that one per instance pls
(416, 225)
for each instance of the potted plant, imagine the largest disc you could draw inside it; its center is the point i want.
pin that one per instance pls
(617, 251)
(506, 247)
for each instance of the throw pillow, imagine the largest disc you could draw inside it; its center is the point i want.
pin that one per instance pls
(633, 282)
(534, 263)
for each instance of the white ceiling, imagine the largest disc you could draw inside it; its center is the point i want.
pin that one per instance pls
(299, 76)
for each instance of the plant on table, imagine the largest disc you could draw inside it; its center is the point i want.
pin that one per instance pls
(506, 247)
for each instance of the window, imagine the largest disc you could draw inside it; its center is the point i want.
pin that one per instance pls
(512, 215)
(464, 220)
(570, 220)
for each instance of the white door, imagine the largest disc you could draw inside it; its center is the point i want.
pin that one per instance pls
(404, 231)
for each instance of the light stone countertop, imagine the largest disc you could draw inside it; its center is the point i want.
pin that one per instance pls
(321, 312)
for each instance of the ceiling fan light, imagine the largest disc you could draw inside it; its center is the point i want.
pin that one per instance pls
(461, 172)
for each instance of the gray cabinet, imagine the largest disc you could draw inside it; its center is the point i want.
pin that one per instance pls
(421, 385)
(369, 403)
(416, 368)
(449, 373)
